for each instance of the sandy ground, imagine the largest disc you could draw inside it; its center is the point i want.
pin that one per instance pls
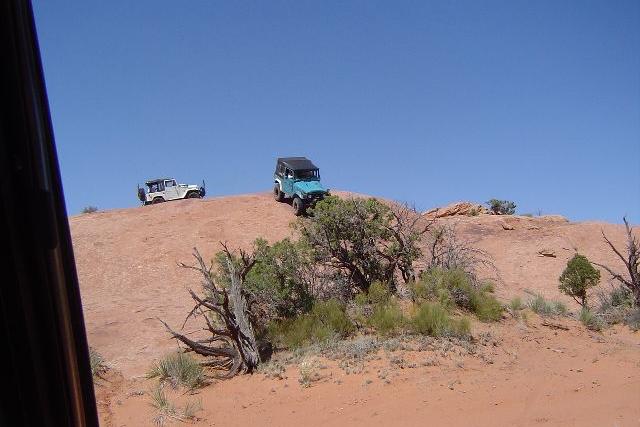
(127, 265)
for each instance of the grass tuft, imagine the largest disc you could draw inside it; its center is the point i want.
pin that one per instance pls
(387, 318)
(547, 308)
(326, 321)
(591, 320)
(179, 369)
(96, 361)
(434, 320)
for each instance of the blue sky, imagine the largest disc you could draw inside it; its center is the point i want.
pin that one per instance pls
(427, 102)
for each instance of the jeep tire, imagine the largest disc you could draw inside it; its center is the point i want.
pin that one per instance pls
(277, 194)
(298, 207)
(157, 200)
(193, 195)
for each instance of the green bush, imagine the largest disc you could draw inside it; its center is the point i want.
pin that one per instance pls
(326, 320)
(515, 305)
(97, 362)
(378, 293)
(433, 319)
(361, 240)
(590, 319)
(280, 277)
(387, 318)
(89, 209)
(632, 319)
(486, 306)
(178, 369)
(501, 207)
(577, 278)
(454, 288)
(546, 308)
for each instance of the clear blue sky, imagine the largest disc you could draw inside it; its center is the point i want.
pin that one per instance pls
(428, 102)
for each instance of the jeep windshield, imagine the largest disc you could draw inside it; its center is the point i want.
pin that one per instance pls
(307, 175)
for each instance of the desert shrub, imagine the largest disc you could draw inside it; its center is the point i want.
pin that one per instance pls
(516, 305)
(631, 259)
(474, 212)
(326, 320)
(387, 318)
(448, 251)
(501, 207)
(614, 306)
(280, 279)
(178, 369)
(461, 327)
(89, 209)
(451, 287)
(543, 307)
(363, 240)
(309, 372)
(167, 409)
(358, 348)
(621, 297)
(486, 307)
(591, 319)
(577, 278)
(433, 319)
(632, 319)
(378, 293)
(96, 362)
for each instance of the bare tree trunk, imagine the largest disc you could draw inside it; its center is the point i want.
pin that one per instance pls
(232, 346)
(245, 338)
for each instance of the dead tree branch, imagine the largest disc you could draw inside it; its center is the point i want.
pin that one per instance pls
(631, 262)
(231, 346)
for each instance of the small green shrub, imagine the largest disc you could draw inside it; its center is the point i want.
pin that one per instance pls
(167, 409)
(515, 305)
(179, 369)
(547, 308)
(632, 319)
(433, 319)
(387, 318)
(461, 327)
(97, 362)
(453, 287)
(486, 306)
(577, 278)
(559, 308)
(591, 320)
(501, 207)
(280, 277)
(325, 321)
(379, 293)
(89, 209)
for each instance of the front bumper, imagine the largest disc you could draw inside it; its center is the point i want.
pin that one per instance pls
(312, 199)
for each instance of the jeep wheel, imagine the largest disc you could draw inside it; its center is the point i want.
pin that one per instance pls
(193, 195)
(277, 194)
(298, 207)
(157, 200)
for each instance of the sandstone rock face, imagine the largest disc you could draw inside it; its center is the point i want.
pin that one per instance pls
(460, 208)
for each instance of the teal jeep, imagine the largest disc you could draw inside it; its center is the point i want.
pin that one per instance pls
(297, 179)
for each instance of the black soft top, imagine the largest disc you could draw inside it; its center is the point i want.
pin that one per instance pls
(297, 163)
(155, 181)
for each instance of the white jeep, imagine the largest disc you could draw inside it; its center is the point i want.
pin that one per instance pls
(165, 189)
